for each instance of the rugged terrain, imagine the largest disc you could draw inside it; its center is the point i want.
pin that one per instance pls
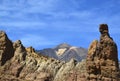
(18, 63)
(65, 52)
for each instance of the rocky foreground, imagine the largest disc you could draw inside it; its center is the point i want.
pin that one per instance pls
(18, 63)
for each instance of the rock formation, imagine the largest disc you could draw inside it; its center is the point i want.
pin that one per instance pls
(18, 63)
(24, 64)
(6, 48)
(102, 58)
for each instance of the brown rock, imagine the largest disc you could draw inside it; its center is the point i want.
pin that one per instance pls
(6, 48)
(102, 59)
(24, 64)
(17, 62)
(30, 49)
(20, 52)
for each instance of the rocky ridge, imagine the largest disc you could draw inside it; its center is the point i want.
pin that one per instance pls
(24, 64)
(18, 63)
(6, 48)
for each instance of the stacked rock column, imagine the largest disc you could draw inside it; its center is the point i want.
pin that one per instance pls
(102, 58)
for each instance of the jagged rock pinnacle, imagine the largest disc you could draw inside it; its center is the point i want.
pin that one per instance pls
(6, 48)
(102, 58)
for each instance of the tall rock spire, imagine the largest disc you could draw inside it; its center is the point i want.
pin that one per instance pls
(102, 58)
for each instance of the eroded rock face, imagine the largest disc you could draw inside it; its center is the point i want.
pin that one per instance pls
(24, 64)
(6, 48)
(20, 51)
(102, 58)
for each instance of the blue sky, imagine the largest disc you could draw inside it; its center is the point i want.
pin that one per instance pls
(47, 23)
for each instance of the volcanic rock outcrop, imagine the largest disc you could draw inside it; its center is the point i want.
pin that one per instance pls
(18, 63)
(6, 48)
(24, 64)
(102, 58)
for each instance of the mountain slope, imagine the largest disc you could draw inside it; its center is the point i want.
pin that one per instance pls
(65, 52)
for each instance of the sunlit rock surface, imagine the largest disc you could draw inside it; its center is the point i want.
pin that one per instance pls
(102, 58)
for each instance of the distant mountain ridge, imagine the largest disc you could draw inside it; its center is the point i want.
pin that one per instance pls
(65, 52)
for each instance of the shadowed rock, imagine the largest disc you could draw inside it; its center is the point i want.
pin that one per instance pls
(6, 48)
(24, 64)
(27, 65)
(102, 58)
